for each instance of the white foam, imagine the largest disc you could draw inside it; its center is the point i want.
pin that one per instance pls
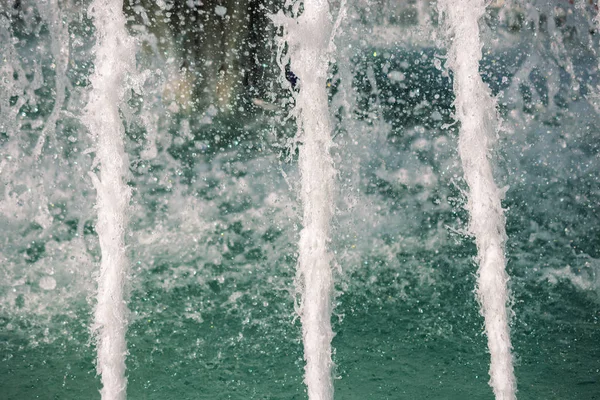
(475, 109)
(114, 59)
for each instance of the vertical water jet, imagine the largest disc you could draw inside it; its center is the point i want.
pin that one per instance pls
(114, 60)
(476, 112)
(309, 39)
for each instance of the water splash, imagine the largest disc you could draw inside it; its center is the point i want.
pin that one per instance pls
(475, 109)
(114, 59)
(59, 35)
(309, 37)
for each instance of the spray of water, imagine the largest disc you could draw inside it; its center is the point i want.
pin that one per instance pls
(309, 40)
(475, 109)
(114, 59)
(59, 35)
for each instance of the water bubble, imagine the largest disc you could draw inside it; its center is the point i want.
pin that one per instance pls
(47, 283)
(220, 11)
(396, 76)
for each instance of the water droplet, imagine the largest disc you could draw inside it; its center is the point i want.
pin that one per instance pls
(47, 283)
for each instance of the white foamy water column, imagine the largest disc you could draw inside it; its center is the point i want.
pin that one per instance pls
(114, 59)
(476, 111)
(308, 38)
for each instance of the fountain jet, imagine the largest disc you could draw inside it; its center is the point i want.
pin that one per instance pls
(476, 112)
(309, 38)
(114, 60)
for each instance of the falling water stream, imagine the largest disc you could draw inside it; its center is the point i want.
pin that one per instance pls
(231, 199)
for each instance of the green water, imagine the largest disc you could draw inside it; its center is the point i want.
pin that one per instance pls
(385, 348)
(212, 309)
